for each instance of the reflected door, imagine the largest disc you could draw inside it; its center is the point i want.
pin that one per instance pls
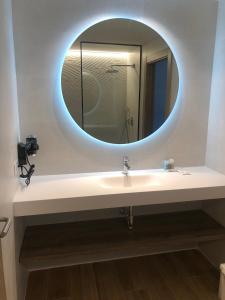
(156, 100)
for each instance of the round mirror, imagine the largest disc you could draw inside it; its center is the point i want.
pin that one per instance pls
(120, 81)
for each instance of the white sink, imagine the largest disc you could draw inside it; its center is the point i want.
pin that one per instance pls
(123, 181)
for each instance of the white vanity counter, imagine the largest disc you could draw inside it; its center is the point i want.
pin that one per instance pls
(75, 192)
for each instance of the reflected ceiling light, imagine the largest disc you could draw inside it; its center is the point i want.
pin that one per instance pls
(90, 53)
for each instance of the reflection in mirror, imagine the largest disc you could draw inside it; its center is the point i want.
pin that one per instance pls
(119, 81)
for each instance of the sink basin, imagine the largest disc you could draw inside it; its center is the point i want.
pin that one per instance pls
(122, 181)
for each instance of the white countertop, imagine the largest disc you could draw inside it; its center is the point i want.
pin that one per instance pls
(75, 192)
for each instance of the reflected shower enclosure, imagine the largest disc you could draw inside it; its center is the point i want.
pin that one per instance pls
(110, 87)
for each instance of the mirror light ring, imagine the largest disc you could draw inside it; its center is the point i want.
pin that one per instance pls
(63, 110)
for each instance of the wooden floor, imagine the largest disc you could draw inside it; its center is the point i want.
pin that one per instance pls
(59, 245)
(183, 275)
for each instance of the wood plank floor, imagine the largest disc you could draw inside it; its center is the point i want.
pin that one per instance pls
(185, 275)
(59, 245)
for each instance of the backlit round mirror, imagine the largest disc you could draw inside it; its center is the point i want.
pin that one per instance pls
(120, 81)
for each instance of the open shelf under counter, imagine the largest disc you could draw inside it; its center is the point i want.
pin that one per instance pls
(49, 246)
(79, 192)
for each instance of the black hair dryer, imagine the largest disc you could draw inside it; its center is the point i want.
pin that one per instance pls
(25, 150)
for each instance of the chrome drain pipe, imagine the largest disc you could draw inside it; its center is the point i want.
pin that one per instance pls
(130, 218)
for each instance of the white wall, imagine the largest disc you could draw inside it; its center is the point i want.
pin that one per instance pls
(43, 30)
(215, 154)
(8, 141)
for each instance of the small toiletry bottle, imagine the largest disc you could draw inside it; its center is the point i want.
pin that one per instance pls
(168, 165)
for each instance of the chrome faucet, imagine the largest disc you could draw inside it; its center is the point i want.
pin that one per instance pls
(126, 166)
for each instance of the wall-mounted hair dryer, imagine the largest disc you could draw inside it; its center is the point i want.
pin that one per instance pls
(24, 151)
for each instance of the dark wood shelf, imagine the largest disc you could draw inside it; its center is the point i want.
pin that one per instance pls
(56, 245)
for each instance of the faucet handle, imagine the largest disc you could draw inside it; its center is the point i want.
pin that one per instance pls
(168, 164)
(126, 166)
